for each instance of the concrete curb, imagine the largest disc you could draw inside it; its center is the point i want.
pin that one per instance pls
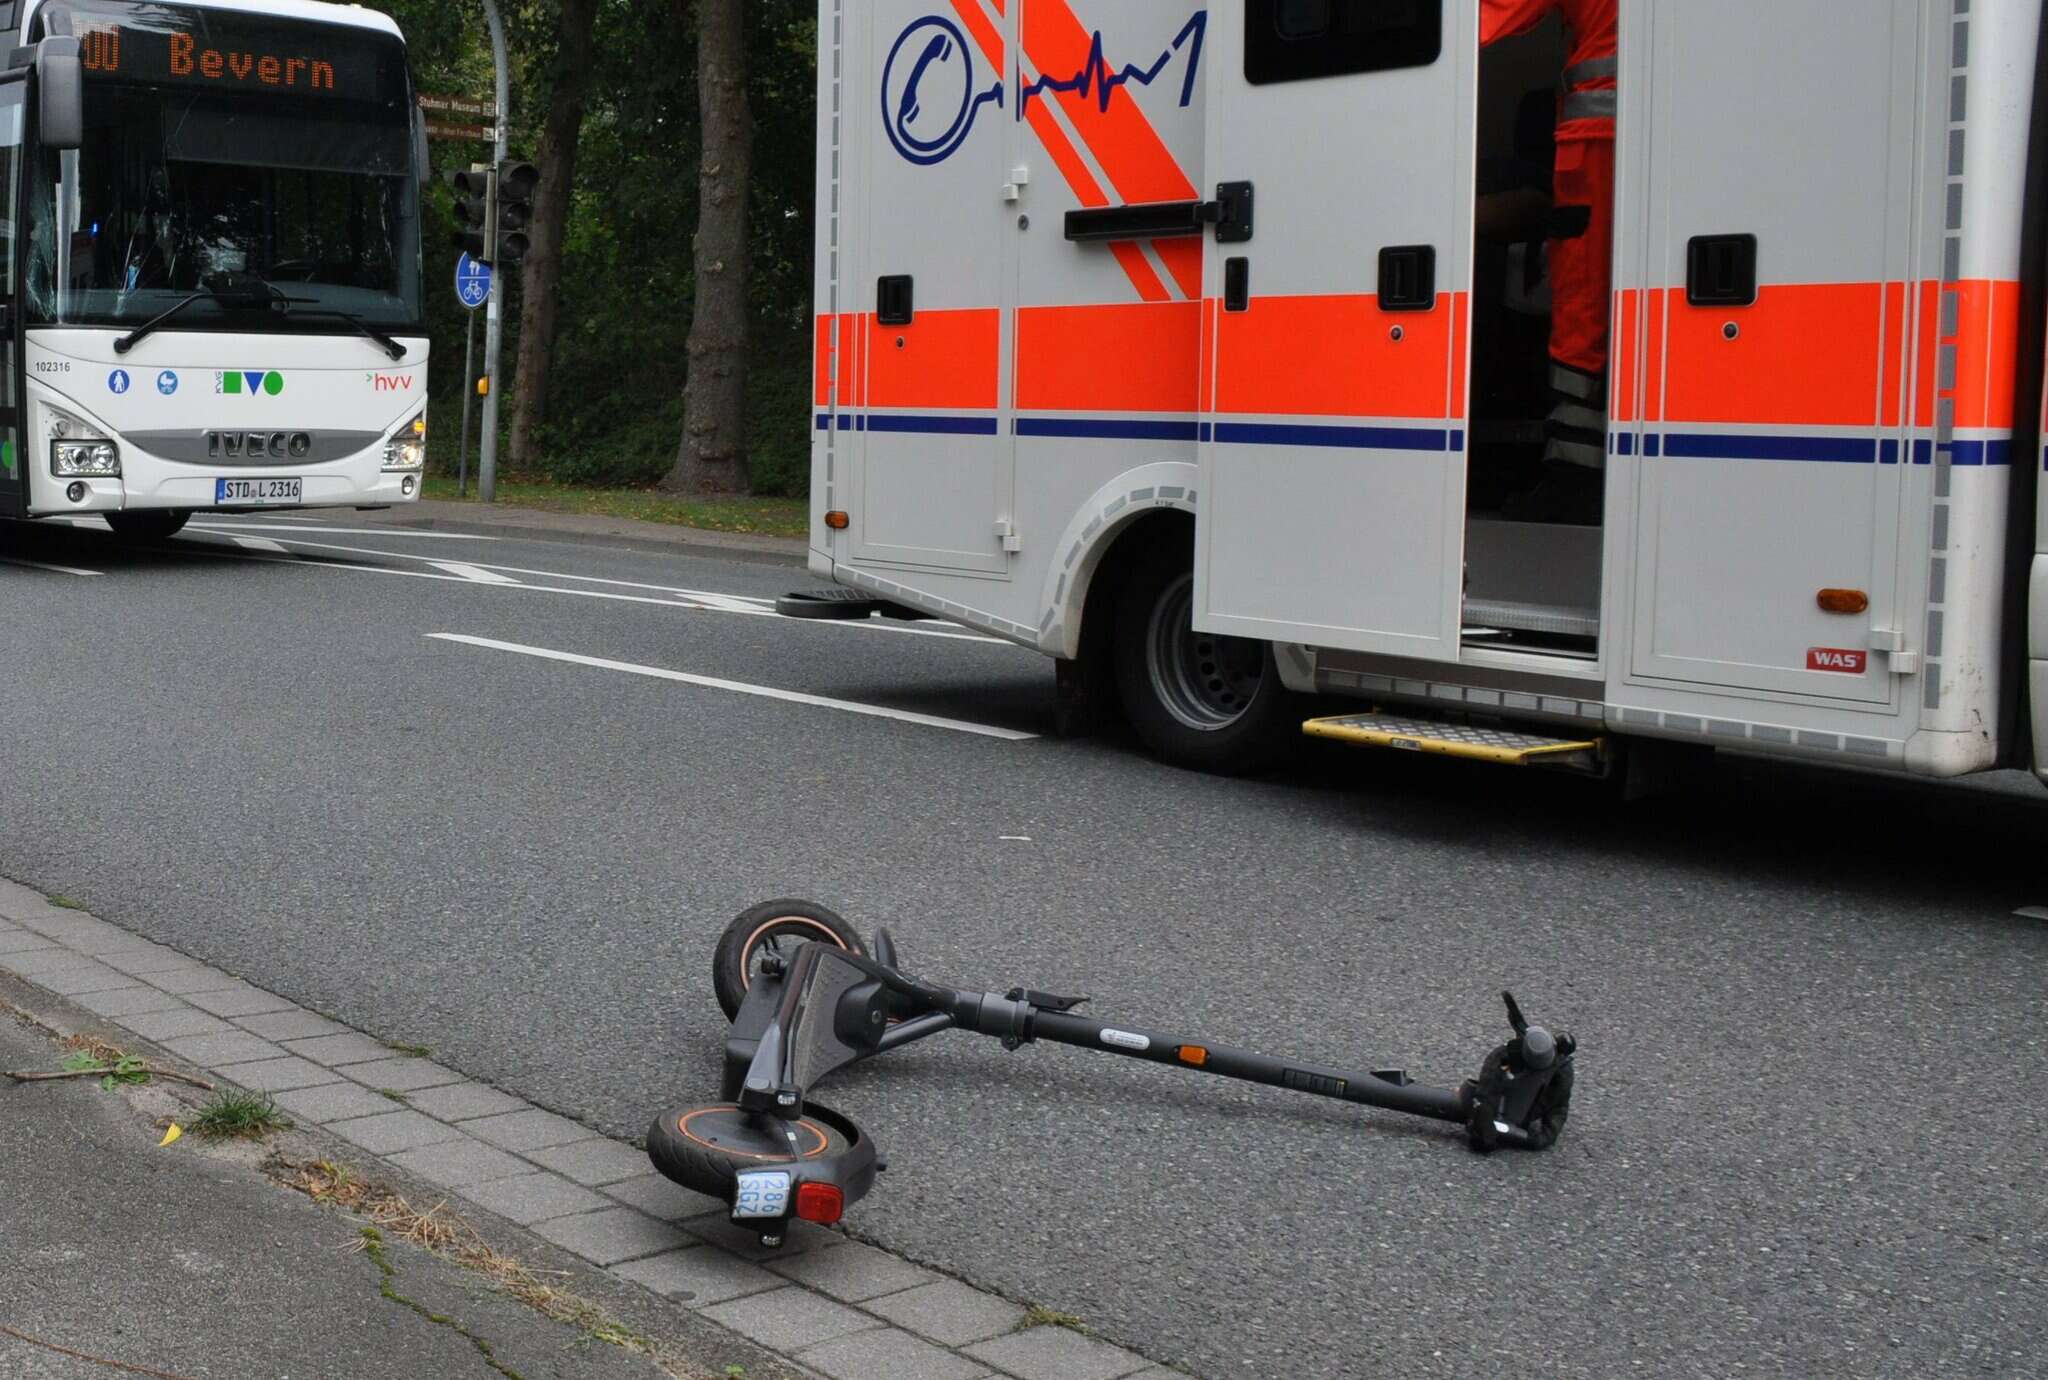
(825, 1304)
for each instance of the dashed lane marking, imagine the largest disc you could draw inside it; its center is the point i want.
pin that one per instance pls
(330, 531)
(476, 574)
(736, 687)
(699, 600)
(53, 569)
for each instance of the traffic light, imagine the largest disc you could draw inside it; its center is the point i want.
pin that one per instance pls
(516, 183)
(475, 204)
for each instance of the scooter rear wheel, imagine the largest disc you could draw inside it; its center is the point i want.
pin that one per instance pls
(705, 1148)
(777, 927)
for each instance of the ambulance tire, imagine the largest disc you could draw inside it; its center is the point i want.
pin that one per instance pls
(154, 524)
(1196, 700)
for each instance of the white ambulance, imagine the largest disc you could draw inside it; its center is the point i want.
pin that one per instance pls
(1159, 337)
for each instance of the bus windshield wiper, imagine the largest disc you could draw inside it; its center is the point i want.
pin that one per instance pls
(254, 295)
(363, 328)
(156, 323)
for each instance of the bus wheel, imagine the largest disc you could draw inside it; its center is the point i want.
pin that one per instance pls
(1196, 699)
(151, 525)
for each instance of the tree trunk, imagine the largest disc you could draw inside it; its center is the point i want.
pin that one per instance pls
(713, 455)
(541, 298)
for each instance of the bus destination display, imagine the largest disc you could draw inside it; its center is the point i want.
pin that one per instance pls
(193, 57)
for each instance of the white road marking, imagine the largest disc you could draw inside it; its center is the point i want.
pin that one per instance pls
(261, 544)
(740, 688)
(698, 600)
(331, 531)
(53, 569)
(2033, 913)
(473, 573)
(732, 603)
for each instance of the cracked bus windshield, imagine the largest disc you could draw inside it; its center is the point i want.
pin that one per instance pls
(222, 153)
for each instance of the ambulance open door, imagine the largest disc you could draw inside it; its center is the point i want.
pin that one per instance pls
(1333, 393)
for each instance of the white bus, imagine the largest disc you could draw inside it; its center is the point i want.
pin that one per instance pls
(210, 265)
(1170, 339)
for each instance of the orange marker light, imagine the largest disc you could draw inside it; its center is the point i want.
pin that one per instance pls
(1193, 1055)
(838, 521)
(1844, 601)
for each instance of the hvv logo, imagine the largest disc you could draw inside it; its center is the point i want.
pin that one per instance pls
(931, 92)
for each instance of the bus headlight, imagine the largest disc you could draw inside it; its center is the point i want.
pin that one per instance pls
(408, 449)
(85, 460)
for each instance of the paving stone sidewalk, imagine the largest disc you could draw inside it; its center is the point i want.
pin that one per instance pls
(835, 1307)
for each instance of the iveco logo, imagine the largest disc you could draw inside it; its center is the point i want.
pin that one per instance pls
(238, 445)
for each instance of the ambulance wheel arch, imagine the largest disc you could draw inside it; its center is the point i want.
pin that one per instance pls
(1099, 525)
(1121, 605)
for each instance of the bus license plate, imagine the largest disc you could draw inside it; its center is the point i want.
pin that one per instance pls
(237, 492)
(762, 1193)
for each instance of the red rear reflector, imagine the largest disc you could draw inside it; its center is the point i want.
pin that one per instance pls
(838, 521)
(1844, 601)
(820, 1203)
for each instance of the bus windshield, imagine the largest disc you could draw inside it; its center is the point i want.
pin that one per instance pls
(266, 160)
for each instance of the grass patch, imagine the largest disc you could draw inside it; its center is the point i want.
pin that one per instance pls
(409, 1051)
(66, 903)
(239, 1116)
(395, 1095)
(1038, 1315)
(772, 517)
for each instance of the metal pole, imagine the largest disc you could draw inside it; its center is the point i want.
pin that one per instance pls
(494, 330)
(468, 399)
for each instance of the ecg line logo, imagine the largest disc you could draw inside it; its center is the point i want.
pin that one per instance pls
(1095, 79)
(930, 98)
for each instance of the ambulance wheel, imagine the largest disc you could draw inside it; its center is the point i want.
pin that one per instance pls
(705, 1148)
(773, 927)
(1196, 699)
(152, 525)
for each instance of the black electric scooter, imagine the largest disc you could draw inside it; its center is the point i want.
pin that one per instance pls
(806, 998)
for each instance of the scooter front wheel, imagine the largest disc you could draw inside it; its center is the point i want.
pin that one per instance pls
(773, 927)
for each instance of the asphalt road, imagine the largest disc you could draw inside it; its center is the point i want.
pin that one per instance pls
(1807, 1137)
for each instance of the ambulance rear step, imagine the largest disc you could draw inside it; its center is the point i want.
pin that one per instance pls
(1473, 742)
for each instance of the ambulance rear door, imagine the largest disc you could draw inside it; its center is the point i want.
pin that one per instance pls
(932, 269)
(1340, 149)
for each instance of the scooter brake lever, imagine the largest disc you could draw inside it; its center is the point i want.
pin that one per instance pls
(1043, 1001)
(1515, 1017)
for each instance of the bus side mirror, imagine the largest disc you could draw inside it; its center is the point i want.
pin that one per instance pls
(60, 80)
(422, 155)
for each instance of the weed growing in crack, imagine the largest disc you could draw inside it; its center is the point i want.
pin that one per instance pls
(1038, 1315)
(239, 1116)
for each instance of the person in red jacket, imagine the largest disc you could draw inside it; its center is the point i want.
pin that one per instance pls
(1581, 264)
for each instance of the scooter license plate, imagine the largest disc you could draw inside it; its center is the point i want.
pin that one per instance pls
(762, 1193)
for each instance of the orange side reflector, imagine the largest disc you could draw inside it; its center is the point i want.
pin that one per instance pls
(1844, 601)
(483, 388)
(838, 521)
(1194, 1055)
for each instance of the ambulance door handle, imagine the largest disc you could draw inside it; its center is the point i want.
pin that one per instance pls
(1230, 213)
